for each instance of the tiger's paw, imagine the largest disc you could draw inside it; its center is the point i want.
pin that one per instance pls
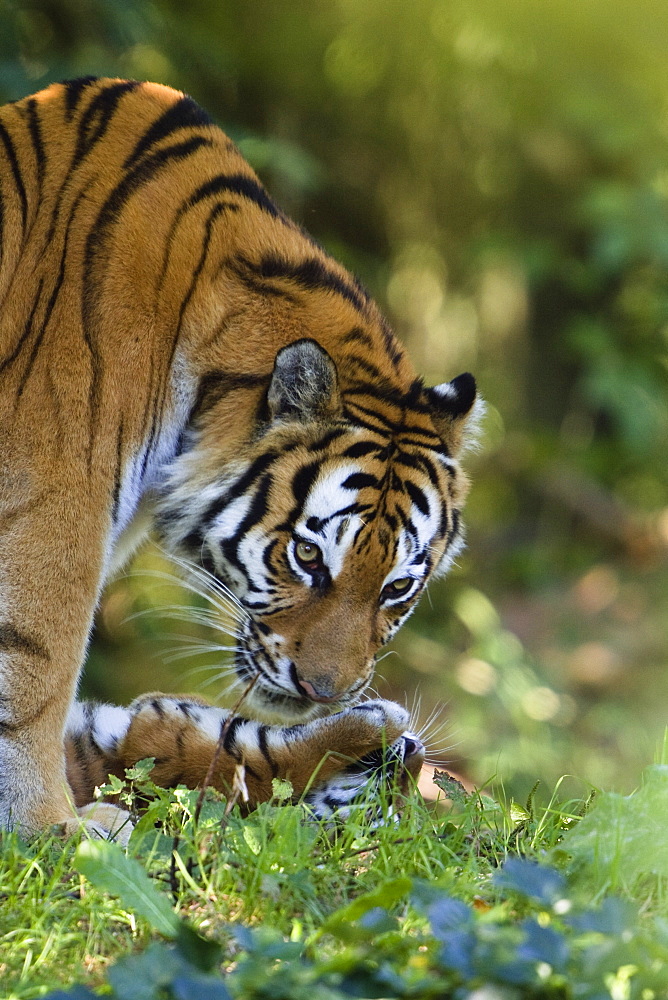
(100, 821)
(357, 731)
(359, 785)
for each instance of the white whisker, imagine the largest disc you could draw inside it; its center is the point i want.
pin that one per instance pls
(172, 655)
(227, 668)
(218, 676)
(203, 584)
(225, 606)
(194, 616)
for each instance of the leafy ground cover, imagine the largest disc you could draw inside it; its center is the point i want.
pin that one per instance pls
(475, 897)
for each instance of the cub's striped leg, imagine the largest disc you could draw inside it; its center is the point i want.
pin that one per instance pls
(338, 755)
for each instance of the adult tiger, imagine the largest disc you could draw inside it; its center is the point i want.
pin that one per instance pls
(174, 349)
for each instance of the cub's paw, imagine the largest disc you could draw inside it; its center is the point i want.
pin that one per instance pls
(357, 785)
(101, 821)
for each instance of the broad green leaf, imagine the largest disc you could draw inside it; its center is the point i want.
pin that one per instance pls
(626, 835)
(386, 895)
(107, 867)
(532, 880)
(281, 789)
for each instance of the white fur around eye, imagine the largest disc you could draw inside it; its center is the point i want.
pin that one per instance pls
(328, 501)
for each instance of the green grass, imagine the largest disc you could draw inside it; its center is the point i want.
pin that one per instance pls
(421, 907)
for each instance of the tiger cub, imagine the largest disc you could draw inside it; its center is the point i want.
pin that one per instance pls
(175, 352)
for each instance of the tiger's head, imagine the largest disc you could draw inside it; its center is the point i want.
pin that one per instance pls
(329, 526)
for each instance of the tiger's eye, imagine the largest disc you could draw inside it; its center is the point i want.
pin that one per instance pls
(398, 587)
(308, 555)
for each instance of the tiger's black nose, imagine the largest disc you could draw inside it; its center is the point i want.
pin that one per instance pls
(412, 745)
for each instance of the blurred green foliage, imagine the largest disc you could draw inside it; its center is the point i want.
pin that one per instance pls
(498, 176)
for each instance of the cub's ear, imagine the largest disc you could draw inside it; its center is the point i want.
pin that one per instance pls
(304, 383)
(456, 412)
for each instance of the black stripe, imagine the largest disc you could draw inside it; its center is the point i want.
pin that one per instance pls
(257, 510)
(117, 472)
(11, 639)
(214, 386)
(410, 528)
(421, 462)
(16, 173)
(266, 559)
(317, 524)
(354, 408)
(335, 804)
(135, 178)
(86, 138)
(417, 496)
(89, 721)
(206, 561)
(421, 437)
(385, 391)
(359, 336)
(328, 438)
(361, 448)
(231, 183)
(184, 114)
(97, 117)
(239, 184)
(36, 139)
(264, 749)
(303, 480)
(454, 527)
(311, 274)
(391, 522)
(244, 483)
(52, 298)
(181, 211)
(73, 92)
(400, 515)
(367, 366)
(149, 419)
(261, 659)
(263, 288)
(141, 174)
(217, 210)
(26, 330)
(229, 739)
(360, 480)
(392, 346)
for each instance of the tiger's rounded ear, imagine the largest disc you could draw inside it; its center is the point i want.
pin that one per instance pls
(304, 383)
(456, 411)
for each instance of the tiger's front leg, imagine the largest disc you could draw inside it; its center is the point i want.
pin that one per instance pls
(333, 757)
(51, 554)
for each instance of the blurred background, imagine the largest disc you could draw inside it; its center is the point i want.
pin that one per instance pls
(497, 175)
